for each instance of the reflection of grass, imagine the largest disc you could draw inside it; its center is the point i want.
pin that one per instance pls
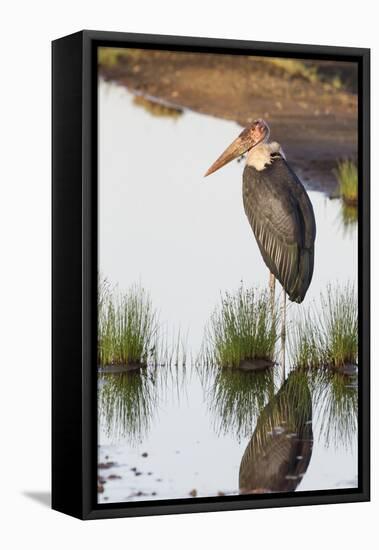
(293, 68)
(127, 328)
(243, 328)
(336, 396)
(349, 216)
(127, 402)
(155, 108)
(111, 57)
(236, 398)
(347, 176)
(329, 337)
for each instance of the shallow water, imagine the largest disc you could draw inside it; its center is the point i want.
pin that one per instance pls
(186, 239)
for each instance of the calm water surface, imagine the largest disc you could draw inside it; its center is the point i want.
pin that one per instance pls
(186, 239)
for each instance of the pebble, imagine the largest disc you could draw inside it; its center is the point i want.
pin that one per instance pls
(106, 465)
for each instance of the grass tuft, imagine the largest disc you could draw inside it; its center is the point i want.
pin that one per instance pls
(347, 176)
(339, 325)
(127, 328)
(157, 108)
(130, 334)
(328, 337)
(243, 328)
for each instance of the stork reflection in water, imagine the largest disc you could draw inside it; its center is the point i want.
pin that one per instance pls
(280, 450)
(279, 212)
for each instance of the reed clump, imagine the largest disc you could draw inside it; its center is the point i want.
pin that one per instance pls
(329, 337)
(157, 108)
(242, 329)
(130, 333)
(127, 328)
(347, 176)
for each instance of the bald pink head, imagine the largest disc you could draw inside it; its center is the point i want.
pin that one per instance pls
(257, 132)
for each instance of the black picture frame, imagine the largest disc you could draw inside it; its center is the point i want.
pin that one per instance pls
(74, 274)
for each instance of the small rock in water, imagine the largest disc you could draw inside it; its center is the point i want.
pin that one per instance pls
(137, 473)
(144, 455)
(114, 476)
(106, 465)
(193, 493)
(134, 469)
(149, 473)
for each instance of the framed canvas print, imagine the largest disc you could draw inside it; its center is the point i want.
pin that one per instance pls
(210, 275)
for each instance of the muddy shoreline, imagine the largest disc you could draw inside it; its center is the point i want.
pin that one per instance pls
(315, 122)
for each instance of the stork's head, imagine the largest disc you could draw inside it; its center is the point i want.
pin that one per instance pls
(257, 132)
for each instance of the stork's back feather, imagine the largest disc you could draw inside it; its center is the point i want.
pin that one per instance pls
(281, 216)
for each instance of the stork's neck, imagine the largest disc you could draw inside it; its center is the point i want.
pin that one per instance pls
(260, 156)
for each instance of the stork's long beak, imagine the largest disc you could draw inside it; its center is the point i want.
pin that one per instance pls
(248, 138)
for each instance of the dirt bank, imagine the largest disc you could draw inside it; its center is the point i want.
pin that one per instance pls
(311, 111)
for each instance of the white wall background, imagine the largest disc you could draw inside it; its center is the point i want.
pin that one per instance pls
(26, 31)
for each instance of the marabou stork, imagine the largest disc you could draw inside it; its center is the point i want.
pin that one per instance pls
(278, 209)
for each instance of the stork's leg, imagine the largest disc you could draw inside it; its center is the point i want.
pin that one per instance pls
(271, 285)
(283, 332)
